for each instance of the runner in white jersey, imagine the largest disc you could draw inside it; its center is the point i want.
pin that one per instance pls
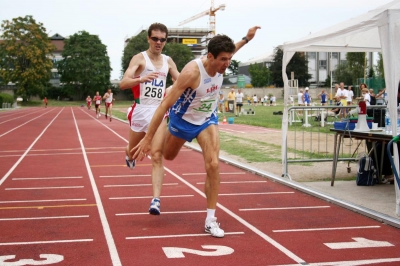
(146, 76)
(193, 115)
(109, 99)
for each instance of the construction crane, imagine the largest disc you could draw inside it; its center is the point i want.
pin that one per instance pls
(211, 13)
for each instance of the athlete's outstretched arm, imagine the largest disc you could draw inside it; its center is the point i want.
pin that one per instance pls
(186, 79)
(250, 35)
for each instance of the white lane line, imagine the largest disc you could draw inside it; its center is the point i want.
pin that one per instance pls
(103, 218)
(44, 218)
(30, 121)
(13, 112)
(235, 182)
(326, 229)
(140, 185)
(71, 149)
(348, 263)
(62, 153)
(49, 178)
(256, 193)
(107, 176)
(231, 130)
(150, 197)
(234, 173)
(18, 117)
(49, 200)
(173, 236)
(273, 242)
(33, 188)
(45, 242)
(284, 208)
(284, 250)
(27, 150)
(146, 213)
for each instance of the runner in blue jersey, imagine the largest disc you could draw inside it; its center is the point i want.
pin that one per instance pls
(194, 99)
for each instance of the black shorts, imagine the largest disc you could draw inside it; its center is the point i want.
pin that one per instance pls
(97, 105)
(239, 104)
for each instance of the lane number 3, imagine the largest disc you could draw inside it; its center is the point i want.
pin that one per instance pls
(47, 259)
(175, 252)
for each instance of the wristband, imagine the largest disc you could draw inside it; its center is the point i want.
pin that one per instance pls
(245, 39)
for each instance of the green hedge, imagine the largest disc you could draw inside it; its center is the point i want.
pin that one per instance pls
(6, 98)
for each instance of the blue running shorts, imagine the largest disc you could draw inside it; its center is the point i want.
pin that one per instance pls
(185, 130)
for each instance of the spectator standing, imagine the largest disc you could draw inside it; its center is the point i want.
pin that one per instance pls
(239, 102)
(342, 95)
(350, 95)
(231, 97)
(273, 100)
(221, 101)
(255, 100)
(307, 98)
(323, 96)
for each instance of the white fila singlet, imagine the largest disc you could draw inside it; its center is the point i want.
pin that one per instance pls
(152, 93)
(197, 105)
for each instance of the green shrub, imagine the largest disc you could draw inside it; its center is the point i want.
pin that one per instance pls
(6, 98)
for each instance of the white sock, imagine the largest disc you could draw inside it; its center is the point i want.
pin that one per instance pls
(210, 213)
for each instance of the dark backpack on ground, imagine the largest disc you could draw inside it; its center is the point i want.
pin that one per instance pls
(366, 175)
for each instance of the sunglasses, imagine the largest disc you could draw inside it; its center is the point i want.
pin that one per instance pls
(155, 39)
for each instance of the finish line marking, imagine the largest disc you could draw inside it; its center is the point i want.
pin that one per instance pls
(150, 197)
(49, 178)
(173, 236)
(284, 208)
(45, 242)
(326, 229)
(146, 213)
(234, 173)
(235, 182)
(51, 200)
(257, 193)
(43, 218)
(43, 207)
(29, 188)
(140, 185)
(107, 176)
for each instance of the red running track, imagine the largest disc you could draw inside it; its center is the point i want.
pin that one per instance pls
(67, 198)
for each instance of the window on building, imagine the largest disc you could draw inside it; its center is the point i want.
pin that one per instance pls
(335, 55)
(322, 64)
(311, 55)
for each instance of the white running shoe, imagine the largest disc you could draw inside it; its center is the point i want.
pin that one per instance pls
(130, 163)
(212, 227)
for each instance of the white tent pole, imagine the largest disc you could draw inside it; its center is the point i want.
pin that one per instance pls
(330, 68)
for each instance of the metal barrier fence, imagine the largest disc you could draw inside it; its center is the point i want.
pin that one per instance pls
(6, 105)
(310, 138)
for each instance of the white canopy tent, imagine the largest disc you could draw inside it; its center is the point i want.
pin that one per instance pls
(376, 31)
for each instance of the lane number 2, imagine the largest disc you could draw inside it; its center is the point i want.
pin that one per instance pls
(47, 259)
(175, 252)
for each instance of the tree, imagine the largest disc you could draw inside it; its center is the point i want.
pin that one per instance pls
(260, 75)
(298, 64)
(180, 53)
(343, 74)
(85, 67)
(356, 66)
(234, 67)
(135, 45)
(24, 53)
(380, 72)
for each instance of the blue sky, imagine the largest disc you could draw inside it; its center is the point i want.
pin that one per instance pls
(281, 21)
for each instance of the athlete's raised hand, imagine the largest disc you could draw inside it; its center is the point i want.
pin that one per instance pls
(149, 77)
(142, 149)
(252, 32)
